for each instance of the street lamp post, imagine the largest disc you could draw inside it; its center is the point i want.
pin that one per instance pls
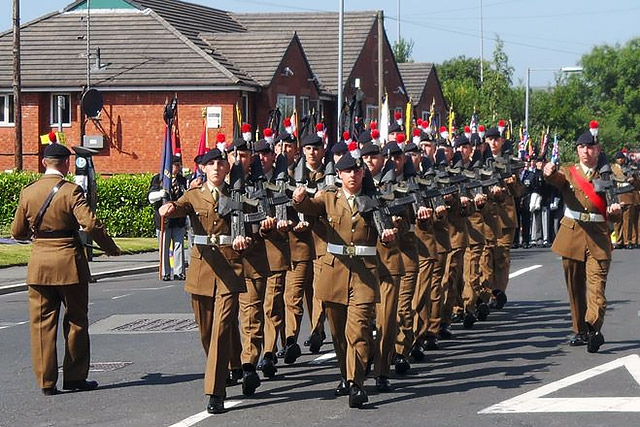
(564, 70)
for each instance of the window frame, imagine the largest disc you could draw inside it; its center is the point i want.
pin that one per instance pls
(8, 113)
(53, 113)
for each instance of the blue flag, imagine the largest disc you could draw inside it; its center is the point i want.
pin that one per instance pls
(167, 155)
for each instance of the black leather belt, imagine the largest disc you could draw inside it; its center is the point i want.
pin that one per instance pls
(53, 234)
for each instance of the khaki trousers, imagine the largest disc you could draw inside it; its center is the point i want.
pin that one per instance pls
(351, 331)
(586, 282)
(474, 288)
(252, 319)
(216, 318)
(503, 259)
(44, 312)
(488, 264)
(274, 311)
(405, 313)
(453, 282)
(298, 292)
(386, 324)
(318, 313)
(422, 302)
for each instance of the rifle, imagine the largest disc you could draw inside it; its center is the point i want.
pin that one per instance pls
(258, 179)
(279, 197)
(604, 184)
(233, 205)
(369, 201)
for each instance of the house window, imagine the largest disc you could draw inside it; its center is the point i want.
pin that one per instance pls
(60, 100)
(6, 110)
(245, 107)
(372, 113)
(425, 115)
(320, 110)
(304, 106)
(286, 103)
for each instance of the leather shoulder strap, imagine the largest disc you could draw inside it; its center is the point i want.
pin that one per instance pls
(45, 206)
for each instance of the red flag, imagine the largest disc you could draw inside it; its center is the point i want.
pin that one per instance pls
(202, 145)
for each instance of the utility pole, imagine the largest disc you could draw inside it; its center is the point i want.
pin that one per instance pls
(17, 83)
(340, 58)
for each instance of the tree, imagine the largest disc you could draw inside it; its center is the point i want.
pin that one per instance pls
(402, 50)
(492, 99)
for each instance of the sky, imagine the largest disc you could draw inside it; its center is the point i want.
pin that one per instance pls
(541, 35)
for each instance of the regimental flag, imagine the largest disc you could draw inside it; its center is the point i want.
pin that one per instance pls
(177, 148)
(522, 145)
(452, 117)
(544, 145)
(532, 149)
(407, 119)
(237, 125)
(167, 155)
(555, 152)
(294, 123)
(432, 116)
(473, 123)
(202, 145)
(383, 122)
(170, 110)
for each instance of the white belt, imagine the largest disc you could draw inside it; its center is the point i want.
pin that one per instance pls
(412, 228)
(212, 240)
(350, 250)
(583, 216)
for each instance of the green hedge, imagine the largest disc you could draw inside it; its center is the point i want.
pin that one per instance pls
(121, 205)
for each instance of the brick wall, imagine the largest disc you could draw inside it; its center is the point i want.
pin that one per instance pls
(132, 124)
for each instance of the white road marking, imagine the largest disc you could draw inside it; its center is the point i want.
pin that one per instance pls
(323, 358)
(120, 296)
(194, 419)
(523, 270)
(534, 401)
(155, 288)
(8, 325)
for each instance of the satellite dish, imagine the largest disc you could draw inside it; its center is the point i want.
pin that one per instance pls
(92, 102)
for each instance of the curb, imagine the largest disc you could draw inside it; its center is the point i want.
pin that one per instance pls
(20, 287)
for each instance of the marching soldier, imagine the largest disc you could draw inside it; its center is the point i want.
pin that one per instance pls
(583, 241)
(507, 220)
(350, 268)
(215, 274)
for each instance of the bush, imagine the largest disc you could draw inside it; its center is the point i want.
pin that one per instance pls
(121, 205)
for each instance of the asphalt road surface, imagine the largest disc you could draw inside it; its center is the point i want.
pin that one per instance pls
(515, 369)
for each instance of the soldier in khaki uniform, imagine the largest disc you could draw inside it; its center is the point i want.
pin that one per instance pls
(583, 241)
(350, 266)
(298, 290)
(625, 229)
(256, 334)
(508, 222)
(215, 274)
(391, 269)
(58, 271)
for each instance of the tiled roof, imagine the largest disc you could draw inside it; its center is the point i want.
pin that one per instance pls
(318, 33)
(139, 48)
(415, 75)
(257, 54)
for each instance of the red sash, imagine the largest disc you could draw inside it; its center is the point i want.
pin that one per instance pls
(587, 188)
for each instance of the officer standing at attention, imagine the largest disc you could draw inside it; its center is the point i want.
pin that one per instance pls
(215, 275)
(350, 268)
(583, 241)
(50, 211)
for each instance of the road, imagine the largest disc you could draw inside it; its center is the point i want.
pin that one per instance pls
(477, 379)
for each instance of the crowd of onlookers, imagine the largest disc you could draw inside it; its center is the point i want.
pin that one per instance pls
(539, 209)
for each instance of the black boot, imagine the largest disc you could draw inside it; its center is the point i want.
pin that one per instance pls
(250, 379)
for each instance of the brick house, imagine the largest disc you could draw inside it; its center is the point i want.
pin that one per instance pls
(423, 86)
(144, 52)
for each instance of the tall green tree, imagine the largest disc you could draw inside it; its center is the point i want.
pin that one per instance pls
(402, 50)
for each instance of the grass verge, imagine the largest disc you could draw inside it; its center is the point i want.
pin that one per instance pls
(12, 255)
